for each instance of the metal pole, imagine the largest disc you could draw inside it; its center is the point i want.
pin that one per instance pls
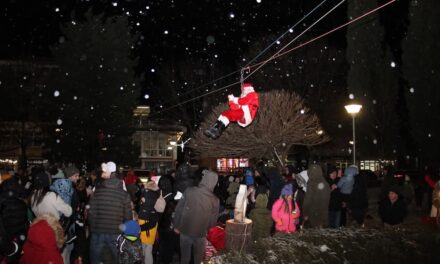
(354, 141)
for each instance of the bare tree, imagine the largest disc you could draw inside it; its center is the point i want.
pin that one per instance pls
(282, 121)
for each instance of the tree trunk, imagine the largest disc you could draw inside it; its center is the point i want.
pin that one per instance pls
(238, 235)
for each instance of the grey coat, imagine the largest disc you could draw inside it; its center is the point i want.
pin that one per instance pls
(198, 210)
(315, 206)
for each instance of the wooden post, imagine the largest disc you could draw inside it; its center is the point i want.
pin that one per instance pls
(238, 236)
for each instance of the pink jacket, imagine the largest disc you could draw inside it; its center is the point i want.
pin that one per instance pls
(288, 219)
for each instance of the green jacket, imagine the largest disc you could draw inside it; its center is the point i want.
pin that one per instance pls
(261, 218)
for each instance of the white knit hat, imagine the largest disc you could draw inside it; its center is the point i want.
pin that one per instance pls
(108, 167)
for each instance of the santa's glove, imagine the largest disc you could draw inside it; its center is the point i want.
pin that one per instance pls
(231, 97)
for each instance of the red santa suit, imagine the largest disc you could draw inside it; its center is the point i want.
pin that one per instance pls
(242, 110)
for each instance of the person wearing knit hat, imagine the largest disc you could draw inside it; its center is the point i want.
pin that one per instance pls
(287, 190)
(129, 245)
(71, 173)
(285, 211)
(107, 169)
(65, 188)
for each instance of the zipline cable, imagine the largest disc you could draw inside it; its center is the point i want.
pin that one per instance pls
(279, 55)
(261, 64)
(244, 68)
(329, 32)
(261, 53)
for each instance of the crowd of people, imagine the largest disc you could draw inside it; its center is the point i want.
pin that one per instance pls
(57, 215)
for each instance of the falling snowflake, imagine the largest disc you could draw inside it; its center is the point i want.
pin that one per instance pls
(323, 248)
(115, 4)
(122, 88)
(429, 135)
(59, 121)
(302, 111)
(339, 126)
(152, 70)
(74, 98)
(166, 32)
(393, 64)
(374, 101)
(57, 9)
(258, 1)
(146, 96)
(374, 141)
(231, 15)
(56, 93)
(351, 96)
(58, 141)
(278, 42)
(411, 90)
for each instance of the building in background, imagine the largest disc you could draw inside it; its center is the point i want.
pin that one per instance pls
(159, 141)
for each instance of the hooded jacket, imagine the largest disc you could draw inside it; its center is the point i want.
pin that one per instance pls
(261, 218)
(45, 237)
(198, 210)
(346, 183)
(64, 188)
(316, 202)
(285, 221)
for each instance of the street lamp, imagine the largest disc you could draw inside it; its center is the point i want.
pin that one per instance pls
(353, 109)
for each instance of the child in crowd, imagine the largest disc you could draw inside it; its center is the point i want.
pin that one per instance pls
(148, 220)
(261, 218)
(285, 212)
(129, 245)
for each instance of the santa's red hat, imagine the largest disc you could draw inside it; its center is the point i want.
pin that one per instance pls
(246, 85)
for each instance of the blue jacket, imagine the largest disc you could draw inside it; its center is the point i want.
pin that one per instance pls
(346, 183)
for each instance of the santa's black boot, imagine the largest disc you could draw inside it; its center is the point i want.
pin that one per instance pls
(215, 130)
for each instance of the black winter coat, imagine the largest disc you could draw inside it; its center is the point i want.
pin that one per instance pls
(110, 206)
(335, 203)
(392, 214)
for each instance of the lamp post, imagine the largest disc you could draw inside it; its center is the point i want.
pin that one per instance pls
(353, 109)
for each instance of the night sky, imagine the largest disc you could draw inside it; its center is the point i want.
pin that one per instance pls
(222, 37)
(217, 31)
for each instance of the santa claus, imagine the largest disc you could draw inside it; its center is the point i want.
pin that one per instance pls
(241, 110)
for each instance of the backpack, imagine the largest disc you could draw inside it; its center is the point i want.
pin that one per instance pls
(160, 204)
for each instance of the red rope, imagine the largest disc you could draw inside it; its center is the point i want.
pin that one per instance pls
(323, 35)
